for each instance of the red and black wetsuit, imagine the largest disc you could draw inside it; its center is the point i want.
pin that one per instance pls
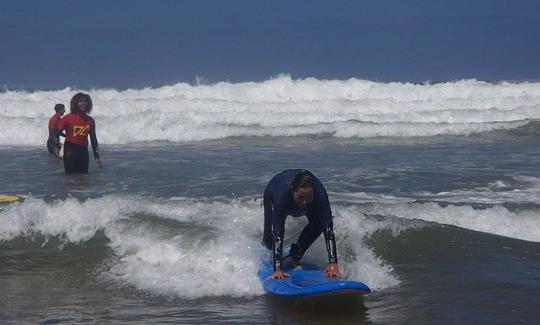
(54, 141)
(78, 127)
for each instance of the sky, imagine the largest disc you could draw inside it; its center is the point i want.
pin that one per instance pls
(148, 43)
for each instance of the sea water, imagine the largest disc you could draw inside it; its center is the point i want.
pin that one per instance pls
(435, 191)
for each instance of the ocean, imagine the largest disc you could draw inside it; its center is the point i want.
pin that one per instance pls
(434, 187)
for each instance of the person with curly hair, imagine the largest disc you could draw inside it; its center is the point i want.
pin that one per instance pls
(78, 126)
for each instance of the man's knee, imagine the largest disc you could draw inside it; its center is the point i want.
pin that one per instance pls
(296, 251)
(267, 241)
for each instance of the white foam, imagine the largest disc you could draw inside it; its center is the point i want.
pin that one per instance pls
(521, 190)
(207, 247)
(280, 107)
(498, 220)
(69, 219)
(366, 197)
(352, 229)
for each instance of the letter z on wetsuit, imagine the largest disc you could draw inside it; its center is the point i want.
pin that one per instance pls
(278, 203)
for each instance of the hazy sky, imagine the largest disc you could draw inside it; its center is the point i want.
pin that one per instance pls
(106, 43)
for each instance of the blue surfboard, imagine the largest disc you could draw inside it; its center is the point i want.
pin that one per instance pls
(307, 281)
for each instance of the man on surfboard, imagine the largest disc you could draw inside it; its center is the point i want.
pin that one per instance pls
(298, 192)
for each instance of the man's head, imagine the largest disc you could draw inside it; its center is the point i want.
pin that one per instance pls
(303, 188)
(60, 109)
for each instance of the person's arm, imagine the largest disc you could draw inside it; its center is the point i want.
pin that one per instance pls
(278, 230)
(55, 139)
(56, 135)
(332, 269)
(54, 125)
(58, 130)
(330, 240)
(95, 145)
(52, 128)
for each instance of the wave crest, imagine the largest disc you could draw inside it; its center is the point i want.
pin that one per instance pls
(281, 107)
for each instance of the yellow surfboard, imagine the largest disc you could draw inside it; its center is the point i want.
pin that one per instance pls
(9, 198)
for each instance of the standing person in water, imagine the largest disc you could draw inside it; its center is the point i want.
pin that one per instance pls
(298, 192)
(53, 143)
(78, 126)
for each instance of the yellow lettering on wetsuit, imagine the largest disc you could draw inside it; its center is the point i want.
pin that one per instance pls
(80, 130)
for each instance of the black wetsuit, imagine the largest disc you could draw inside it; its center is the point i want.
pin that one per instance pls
(278, 203)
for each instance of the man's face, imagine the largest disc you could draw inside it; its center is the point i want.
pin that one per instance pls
(303, 196)
(83, 104)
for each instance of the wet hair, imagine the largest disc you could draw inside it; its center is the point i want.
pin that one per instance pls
(74, 105)
(302, 179)
(59, 107)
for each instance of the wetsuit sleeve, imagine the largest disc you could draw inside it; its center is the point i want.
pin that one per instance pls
(54, 126)
(326, 215)
(330, 240)
(52, 129)
(58, 131)
(278, 229)
(93, 140)
(57, 134)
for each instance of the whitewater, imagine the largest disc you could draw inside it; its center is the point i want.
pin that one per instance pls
(434, 189)
(281, 106)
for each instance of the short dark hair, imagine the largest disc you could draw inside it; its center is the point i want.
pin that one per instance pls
(59, 107)
(303, 179)
(74, 105)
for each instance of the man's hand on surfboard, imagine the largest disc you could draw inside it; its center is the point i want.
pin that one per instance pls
(99, 163)
(279, 274)
(332, 270)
